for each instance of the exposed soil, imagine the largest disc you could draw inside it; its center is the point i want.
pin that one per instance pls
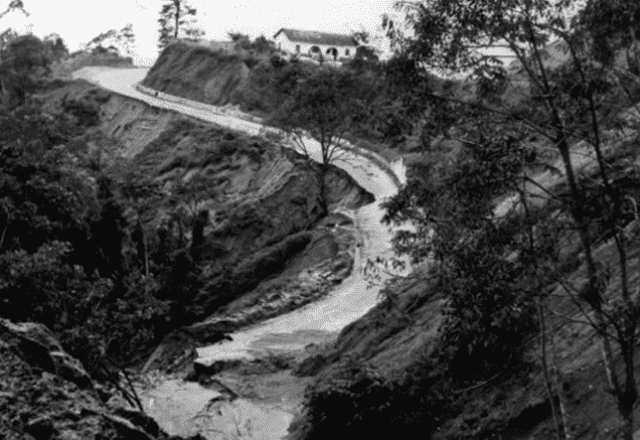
(206, 75)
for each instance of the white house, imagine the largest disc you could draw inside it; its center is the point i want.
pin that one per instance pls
(314, 44)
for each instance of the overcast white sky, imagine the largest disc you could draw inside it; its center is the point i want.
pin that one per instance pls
(77, 21)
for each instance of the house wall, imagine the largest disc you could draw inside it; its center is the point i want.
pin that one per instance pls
(284, 44)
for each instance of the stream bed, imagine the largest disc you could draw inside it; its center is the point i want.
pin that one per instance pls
(186, 408)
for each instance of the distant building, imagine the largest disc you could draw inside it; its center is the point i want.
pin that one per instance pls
(315, 44)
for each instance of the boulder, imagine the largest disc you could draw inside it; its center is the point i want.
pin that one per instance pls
(38, 347)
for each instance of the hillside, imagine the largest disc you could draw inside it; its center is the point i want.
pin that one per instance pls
(409, 365)
(517, 318)
(45, 393)
(200, 73)
(263, 201)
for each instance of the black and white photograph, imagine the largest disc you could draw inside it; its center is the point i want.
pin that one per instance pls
(333, 220)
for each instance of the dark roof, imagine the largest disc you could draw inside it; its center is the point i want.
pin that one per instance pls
(314, 37)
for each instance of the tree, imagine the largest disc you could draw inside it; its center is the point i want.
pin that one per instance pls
(260, 45)
(240, 40)
(564, 102)
(488, 314)
(366, 53)
(326, 104)
(14, 5)
(24, 64)
(47, 195)
(143, 196)
(192, 194)
(109, 232)
(123, 40)
(57, 46)
(10, 34)
(614, 26)
(177, 20)
(362, 37)
(127, 38)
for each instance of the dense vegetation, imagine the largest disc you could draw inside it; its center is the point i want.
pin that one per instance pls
(497, 241)
(68, 246)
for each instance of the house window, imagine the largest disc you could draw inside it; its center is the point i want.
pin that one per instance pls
(346, 52)
(297, 48)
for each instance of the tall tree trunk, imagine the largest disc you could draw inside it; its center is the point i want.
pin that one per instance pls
(146, 262)
(560, 427)
(545, 369)
(632, 54)
(177, 4)
(197, 235)
(628, 393)
(559, 393)
(324, 205)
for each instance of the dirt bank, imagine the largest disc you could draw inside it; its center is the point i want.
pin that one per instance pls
(198, 73)
(266, 248)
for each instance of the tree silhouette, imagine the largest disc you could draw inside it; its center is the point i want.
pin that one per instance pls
(177, 20)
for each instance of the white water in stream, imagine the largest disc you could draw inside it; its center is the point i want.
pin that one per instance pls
(181, 408)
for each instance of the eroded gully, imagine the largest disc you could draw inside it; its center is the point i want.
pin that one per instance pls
(186, 408)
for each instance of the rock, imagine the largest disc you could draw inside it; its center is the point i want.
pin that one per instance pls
(310, 366)
(46, 394)
(213, 338)
(342, 190)
(38, 347)
(125, 429)
(202, 371)
(71, 369)
(139, 419)
(177, 350)
(41, 428)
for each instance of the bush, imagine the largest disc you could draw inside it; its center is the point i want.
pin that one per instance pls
(357, 402)
(488, 317)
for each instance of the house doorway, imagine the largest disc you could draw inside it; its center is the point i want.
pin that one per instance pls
(315, 52)
(333, 52)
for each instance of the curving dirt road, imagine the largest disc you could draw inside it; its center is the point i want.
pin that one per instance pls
(315, 322)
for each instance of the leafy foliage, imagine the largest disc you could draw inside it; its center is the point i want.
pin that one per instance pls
(14, 5)
(177, 20)
(612, 26)
(489, 312)
(325, 104)
(118, 41)
(568, 88)
(260, 45)
(25, 62)
(67, 258)
(357, 401)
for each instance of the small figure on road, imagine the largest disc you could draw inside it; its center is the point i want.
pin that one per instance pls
(157, 93)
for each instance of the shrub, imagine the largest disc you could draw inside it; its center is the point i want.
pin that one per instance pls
(357, 402)
(488, 317)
